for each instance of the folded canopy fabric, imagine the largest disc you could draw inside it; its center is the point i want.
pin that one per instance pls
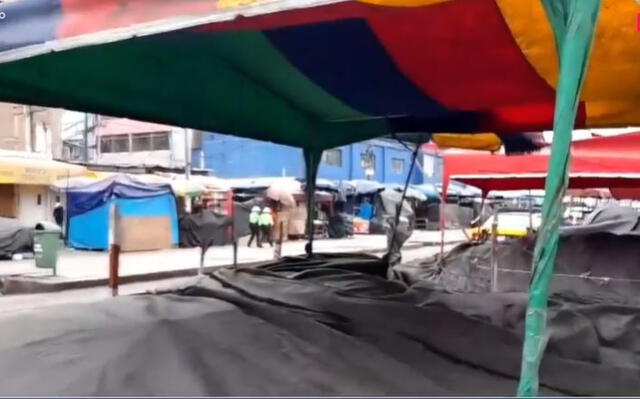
(313, 73)
(605, 162)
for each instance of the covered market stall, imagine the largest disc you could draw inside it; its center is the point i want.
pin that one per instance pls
(318, 74)
(148, 211)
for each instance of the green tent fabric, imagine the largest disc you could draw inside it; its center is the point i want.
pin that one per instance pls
(573, 22)
(237, 82)
(313, 74)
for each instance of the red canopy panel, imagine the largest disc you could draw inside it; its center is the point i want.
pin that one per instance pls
(624, 145)
(607, 162)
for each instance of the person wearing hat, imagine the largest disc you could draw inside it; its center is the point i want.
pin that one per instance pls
(266, 225)
(254, 226)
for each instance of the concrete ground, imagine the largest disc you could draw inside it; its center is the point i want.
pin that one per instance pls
(92, 268)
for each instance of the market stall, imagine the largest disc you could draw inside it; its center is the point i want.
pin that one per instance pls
(148, 213)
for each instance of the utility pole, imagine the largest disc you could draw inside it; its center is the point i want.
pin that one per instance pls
(96, 135)
(187, 175)
(188, 133)
(31, 129)
(85, 139)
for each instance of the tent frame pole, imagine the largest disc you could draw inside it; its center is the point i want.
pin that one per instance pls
(443, 205)
(312, 162)
(396, 219)
(573, 23)
(494, 251)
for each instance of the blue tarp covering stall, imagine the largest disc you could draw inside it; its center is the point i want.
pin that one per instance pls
(89, 207)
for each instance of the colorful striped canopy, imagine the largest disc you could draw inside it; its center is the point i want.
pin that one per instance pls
(314, 73)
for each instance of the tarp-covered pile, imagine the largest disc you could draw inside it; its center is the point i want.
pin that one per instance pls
(327, 326)
(598, 259)
(15, 237)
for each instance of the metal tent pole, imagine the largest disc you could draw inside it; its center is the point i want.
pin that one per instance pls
(312, 161)
(402, 198)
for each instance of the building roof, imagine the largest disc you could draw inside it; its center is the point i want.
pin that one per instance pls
(120, 126)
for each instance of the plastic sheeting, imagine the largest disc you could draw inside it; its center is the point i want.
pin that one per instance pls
(599, 162)
(209, 228)
(613, 219)
(83, 198)
(204, 229)
(416, 80)
(15, 237)
(330, 326)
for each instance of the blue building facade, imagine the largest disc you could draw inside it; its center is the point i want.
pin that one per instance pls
(385, 160)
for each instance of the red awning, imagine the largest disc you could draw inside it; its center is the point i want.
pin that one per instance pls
(605, 162)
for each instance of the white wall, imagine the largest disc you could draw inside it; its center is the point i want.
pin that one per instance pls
(177, 146)
(173, 158)
(28, 209)
(150, 158)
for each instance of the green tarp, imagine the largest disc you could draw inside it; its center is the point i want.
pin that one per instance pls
(573, 22)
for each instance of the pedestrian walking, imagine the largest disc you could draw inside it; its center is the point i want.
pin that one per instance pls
(254, 226)
(58, 214)
(266, 226)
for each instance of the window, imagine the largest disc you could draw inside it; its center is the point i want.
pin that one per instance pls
(141, 142)
(397, 165)
(150, 141)
(160, 141)
(332, 157)
(114, 144)
(368, 163)
(429, 165)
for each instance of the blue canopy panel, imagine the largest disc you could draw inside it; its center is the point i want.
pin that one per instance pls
(83, 199)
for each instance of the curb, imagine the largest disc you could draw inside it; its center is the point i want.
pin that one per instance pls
(14, 285)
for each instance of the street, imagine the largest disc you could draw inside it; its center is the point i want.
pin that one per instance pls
(86, 265)
(21, 302)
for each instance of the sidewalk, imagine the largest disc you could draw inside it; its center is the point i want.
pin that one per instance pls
(81, 269)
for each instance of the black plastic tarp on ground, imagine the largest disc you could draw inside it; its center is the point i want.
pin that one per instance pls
(333, 325)
(15, 237)
(612, 219)
(598, 260)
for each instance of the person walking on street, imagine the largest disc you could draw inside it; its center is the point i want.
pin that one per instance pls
(254, 226)
(266, 225)
(58, 214)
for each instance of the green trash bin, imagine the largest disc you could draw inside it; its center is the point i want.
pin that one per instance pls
(46, 244)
